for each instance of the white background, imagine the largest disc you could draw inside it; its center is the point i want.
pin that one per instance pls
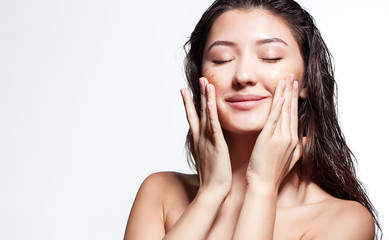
(90, 105)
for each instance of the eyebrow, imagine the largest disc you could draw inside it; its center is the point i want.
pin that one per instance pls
(271, 40)
(221, 43)
(259, 42)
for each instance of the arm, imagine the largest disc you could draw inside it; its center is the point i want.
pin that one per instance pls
(214, 169)
(213, 163)
(197, 219)
(257, 217)
(146, 217)
(274, 155)
(147, 220)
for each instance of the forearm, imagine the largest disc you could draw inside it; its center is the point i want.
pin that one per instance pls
(198, 218)
(257, 217)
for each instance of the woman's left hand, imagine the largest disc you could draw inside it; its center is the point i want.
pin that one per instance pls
(277, 147)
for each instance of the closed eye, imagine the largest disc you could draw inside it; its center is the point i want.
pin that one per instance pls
(271, 60)
(220, 61)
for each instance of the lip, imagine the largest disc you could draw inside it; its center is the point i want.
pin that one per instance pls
(245, 102)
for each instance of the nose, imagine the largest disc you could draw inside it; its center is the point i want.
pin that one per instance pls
(245, 74)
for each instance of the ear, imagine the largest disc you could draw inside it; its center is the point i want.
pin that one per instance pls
(303, 93)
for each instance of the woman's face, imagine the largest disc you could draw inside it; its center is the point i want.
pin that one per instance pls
(247, 52)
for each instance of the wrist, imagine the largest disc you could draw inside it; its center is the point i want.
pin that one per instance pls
(262, 187)
(210, 197)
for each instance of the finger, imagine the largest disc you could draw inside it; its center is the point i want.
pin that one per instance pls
(294, 110)
(191, 114)
(279, 92)
(214, 124)
(286, 109)
(273, 118)
(209, 109)
(203, 99)
(277, 96)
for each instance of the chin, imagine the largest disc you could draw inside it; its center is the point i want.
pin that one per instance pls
(242, 131)
(241, 126)
(243, 121)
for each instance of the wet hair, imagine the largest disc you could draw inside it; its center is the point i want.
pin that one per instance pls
(326, 160)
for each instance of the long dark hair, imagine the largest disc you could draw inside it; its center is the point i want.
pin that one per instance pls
(326, 160)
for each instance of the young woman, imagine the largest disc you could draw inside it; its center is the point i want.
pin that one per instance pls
(271, 160)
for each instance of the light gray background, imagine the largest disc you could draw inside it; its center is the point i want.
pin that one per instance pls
(90, 105)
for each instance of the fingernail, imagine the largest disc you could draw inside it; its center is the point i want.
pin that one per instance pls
(200, 82)
(283, 84)
(207, 88)
(182, 92)
(295, 85)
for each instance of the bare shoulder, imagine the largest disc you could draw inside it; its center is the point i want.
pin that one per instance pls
(165, 187)
(157, 192)
(170, 182)
(345, 219)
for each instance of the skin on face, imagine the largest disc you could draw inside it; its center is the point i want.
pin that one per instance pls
(247, 53)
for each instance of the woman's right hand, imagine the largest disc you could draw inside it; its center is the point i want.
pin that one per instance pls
(210, 148)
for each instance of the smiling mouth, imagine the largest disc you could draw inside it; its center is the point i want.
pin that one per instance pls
(245, 102)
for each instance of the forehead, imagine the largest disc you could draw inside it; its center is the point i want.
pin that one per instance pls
(250, 25)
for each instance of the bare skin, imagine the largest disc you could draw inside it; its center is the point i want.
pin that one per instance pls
(165, 196)
(245, 150)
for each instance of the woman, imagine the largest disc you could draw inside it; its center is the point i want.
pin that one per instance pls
(272, 162)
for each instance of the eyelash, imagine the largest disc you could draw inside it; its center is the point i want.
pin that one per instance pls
(272, 60)
(220, 62)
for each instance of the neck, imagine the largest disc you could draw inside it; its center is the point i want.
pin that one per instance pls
(240, 147)
(291, 192)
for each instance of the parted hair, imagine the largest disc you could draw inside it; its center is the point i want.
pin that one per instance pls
(326, 160)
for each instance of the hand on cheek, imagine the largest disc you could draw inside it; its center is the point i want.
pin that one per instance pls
(210, 149)
(277, 148)
(302, 92)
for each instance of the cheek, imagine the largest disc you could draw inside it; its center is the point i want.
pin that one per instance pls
(214, 77)
(210, 75)
(219, 81)
(281, 74)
